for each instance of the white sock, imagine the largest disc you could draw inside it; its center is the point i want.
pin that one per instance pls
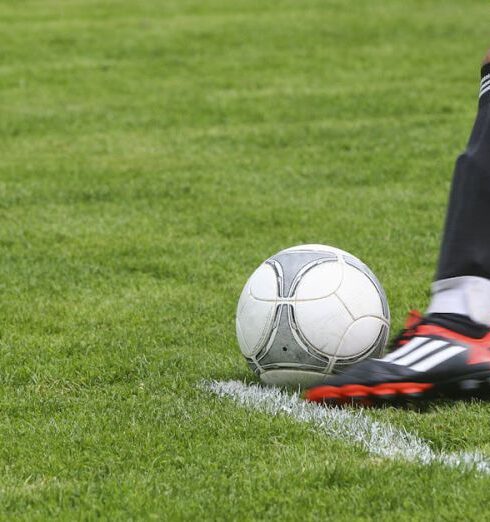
(466, 295)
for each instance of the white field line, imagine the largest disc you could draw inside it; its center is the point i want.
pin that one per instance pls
(352, 426)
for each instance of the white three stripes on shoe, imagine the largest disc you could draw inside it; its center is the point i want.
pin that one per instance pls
(418, 354)
(437, 358)
(485, 85)
(412, 345)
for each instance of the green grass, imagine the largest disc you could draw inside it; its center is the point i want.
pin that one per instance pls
(152, 155)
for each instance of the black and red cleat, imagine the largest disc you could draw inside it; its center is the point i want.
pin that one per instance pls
(440, 355)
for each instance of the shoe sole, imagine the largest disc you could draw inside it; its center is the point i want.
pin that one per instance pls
(461, 388)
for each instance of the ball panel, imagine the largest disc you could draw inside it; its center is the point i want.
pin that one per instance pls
(323, 322)
(244, 297)
(357, 263)
(315, 248)
(320, 281)
(292, 377)
(263, 283)
(361, 335)
(285, 348)
(253, 325)
(292, 264)
(359, 294)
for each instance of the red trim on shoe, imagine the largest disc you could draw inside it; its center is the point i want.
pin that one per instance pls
(350, 391)
(428, 330)
(479, 354)
(413, 318)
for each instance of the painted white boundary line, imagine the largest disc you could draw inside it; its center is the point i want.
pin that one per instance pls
(352, 426)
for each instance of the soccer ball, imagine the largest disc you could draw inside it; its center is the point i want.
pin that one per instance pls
(308, 311)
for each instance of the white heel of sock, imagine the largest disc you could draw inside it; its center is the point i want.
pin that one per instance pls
(466, 295)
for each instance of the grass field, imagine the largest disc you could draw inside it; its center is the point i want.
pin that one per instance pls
(152, 155)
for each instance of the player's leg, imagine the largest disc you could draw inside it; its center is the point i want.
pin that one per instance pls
(447, 352)
(462, 283)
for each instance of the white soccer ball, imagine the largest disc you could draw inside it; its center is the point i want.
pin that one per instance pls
(308, 311)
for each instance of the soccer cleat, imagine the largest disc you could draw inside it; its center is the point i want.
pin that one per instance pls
(440, 355)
